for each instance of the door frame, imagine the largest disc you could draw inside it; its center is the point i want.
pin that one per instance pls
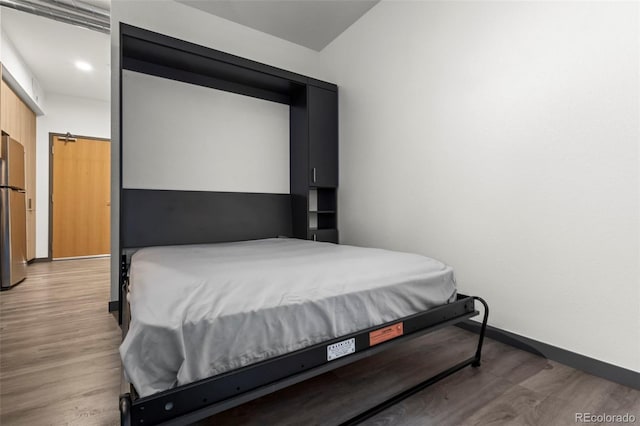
(51, 142)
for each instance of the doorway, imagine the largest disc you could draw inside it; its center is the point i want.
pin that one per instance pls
(80, 196)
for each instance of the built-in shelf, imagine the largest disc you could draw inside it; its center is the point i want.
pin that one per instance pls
(322, 200)
(322, 209)
(327, 235)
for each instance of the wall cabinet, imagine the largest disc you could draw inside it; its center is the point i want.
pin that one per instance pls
(323, 137)
(19, 122)
(314, 162)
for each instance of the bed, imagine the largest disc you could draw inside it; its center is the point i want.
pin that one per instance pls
(211, 326)
(218, 307)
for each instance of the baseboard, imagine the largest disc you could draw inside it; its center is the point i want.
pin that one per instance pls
(114, 305)
(39, 260)
(580, 362)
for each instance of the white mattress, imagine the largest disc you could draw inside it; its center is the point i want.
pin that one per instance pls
(201, 310)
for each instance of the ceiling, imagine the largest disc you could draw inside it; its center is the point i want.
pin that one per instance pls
(100, 4)
(310, 23)
(50, 49)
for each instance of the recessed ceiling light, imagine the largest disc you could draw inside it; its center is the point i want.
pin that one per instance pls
(84, 66)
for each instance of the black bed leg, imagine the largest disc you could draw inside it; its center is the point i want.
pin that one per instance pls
(125, 409)
(473, 361)
(476, 361)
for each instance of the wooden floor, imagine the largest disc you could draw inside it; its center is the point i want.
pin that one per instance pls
(58, 347)
(59, 365)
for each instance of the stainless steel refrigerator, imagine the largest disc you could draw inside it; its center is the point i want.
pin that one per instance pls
(13, 214)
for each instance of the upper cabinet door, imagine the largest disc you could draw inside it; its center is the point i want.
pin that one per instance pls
(323, 137)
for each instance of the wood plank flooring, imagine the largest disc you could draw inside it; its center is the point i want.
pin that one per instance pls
(59, 365)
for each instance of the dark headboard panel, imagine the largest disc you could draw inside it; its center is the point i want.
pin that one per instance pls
(166, 217)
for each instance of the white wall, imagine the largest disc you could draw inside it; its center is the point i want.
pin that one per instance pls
(84, 117)
(186, 23)
(502, 138)
(201, 139)
(19, 76)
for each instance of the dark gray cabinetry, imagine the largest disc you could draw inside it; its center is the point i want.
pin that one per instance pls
(323, 137)
(314, 162)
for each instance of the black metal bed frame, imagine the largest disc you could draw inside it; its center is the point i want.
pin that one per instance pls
(204, 398)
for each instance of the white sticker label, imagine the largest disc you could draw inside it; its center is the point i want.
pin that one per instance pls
(341, 349)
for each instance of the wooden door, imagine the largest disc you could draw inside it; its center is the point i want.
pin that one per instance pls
(81, 197)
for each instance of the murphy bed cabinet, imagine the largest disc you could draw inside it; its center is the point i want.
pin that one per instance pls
(313, 121)
(314, 162)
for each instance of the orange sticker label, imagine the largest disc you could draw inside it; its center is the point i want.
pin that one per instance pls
(384, 334)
